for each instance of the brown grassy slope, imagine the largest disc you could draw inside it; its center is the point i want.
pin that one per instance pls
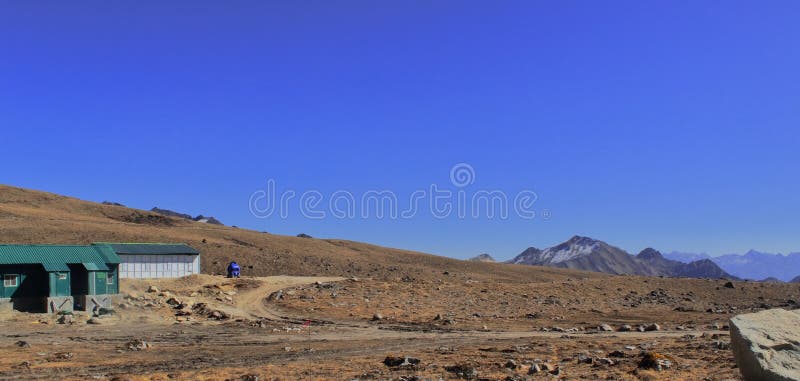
(28, 216)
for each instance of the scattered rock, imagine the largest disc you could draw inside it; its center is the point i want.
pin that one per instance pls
(174, 302)
(66, 319)
(605, 328)
(377, 316)
(729, 285)
(152, 289)
(511, 364)
(464, 371)
(395, 361)
(63, 355)
(137, 345)
(103, 311)
(652, 327)
(535, 368)
(655, 361)
(766, 345)
(625, 328)
(722, 345)
(605, 361)
(22, 344)
(94, 321)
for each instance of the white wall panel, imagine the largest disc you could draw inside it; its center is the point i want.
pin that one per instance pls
(158, 266)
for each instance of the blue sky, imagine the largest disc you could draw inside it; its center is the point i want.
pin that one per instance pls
(666, 124)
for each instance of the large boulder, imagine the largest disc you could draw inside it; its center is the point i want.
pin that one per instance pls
(766, 345)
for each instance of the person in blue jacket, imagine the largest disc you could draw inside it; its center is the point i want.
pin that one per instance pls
(233, 270)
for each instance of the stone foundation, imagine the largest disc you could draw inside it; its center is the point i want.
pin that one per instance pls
(6, 306)
(92, 302)
(56, 304)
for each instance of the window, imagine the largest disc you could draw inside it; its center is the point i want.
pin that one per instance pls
(110, 279)
(62, 276)
(10, 280)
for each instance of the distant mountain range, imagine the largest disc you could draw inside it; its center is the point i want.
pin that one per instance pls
(482, 258)
(752, 265)
(584, 253)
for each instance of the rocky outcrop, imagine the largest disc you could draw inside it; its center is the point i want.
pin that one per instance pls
(766, 345)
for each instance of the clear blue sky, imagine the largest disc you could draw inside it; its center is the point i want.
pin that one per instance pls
(667, 124)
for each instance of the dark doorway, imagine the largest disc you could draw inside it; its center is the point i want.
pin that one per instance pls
(79, 285)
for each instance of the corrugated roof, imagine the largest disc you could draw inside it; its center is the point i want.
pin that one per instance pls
(152, 248)
(107, 253)
(91, 266)
(56, 257)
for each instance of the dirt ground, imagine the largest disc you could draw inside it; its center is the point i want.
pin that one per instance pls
(291, 328)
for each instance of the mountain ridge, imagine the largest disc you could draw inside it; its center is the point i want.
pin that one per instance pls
(753, 264)
(584, 253)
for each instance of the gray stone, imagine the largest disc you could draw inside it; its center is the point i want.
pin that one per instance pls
(66, 319)
(652, 327)
(766, 345)
(605, 328)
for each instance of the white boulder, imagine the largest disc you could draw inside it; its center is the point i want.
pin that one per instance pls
(766, 345)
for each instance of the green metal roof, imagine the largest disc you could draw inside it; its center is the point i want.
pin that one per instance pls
(152, 248)
(107, 253)
(56, 257)
(91, 266)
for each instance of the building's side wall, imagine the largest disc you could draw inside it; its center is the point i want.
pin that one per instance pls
(33, 281)
(112, 287)
(158, 266)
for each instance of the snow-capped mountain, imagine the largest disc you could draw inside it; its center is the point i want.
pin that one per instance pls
(585, 253)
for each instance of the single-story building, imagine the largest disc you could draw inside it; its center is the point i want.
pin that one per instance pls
(156, 260)
(53, 278)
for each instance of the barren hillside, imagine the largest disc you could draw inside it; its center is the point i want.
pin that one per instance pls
(28, 216)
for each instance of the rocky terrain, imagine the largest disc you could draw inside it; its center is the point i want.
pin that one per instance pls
(356, 311)
(584, 253)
